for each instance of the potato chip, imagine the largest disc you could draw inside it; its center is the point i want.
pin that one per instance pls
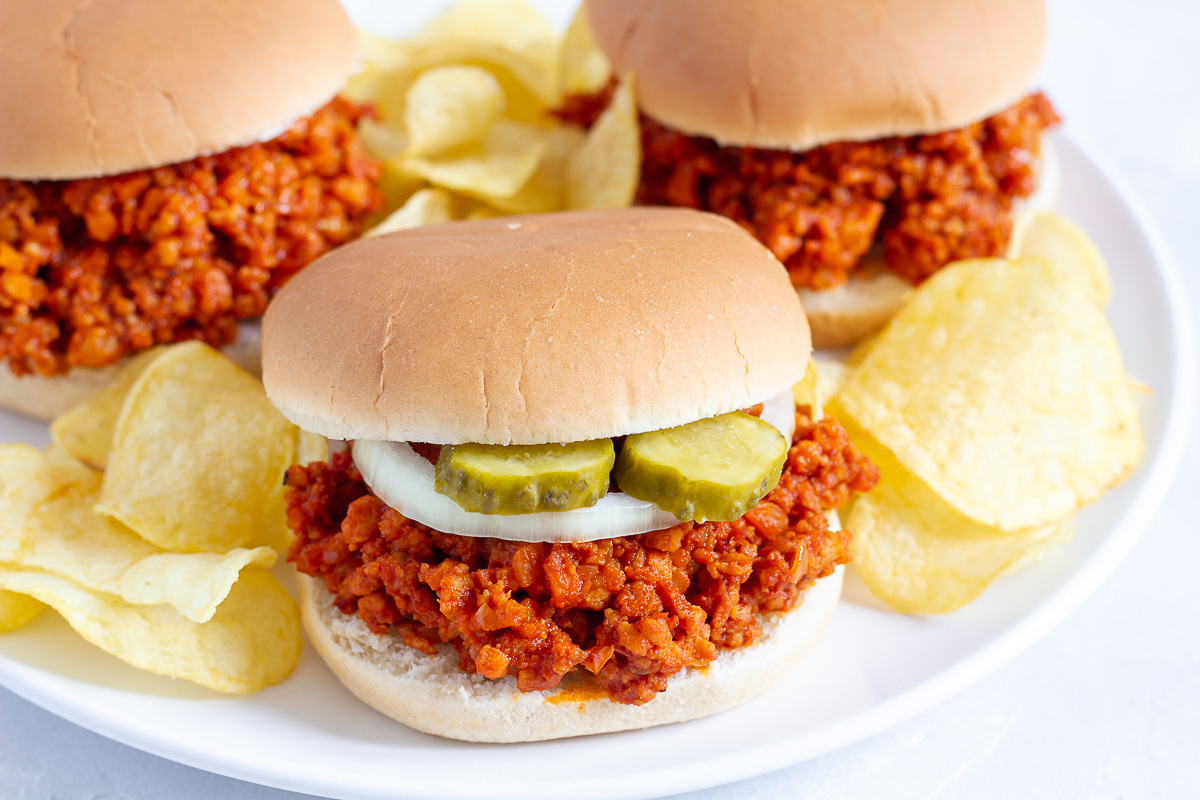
(47, 522)
(497, 167)
(451, 106)
(1000, 386)
(253, 641)
(17, 610)
(546, 188)
(86, 431)
(510, 35)
(198, 456)
(583, 67)
(918, 554)
(381, 140)
(423, 208)
(311, 447)
(603, 172)
(1061, 242)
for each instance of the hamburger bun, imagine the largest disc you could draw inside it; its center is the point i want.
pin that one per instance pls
(108, 87)
(798, 74)
(526, 330)
(431, 694)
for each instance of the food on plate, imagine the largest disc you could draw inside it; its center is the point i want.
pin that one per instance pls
(151, 195)
(147, 524)
(666, 337)
(466, 112)
(996, 405)
(866, 145)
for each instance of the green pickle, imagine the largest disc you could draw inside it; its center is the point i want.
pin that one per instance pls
(713, 469)
(524, 479)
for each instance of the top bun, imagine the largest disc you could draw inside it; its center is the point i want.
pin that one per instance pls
(111, 86)
(795, 74)
(526, 330)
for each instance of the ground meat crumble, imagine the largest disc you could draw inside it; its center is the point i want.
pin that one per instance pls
(631, 611)
(924, 201)
(91, 270)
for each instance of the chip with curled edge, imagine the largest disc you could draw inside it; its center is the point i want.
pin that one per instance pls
(919, 555)
(1000, 386)
(198, 456)
(48, 523)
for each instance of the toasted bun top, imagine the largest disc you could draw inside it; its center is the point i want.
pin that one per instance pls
(794, 74)
(553, 328)
(101, 87)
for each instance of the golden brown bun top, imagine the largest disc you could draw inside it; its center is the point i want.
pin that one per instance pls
(102, 87)
(553, 328)
(794, 74)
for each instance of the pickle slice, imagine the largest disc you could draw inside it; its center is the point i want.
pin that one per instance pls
(524, 479)
(713, 469)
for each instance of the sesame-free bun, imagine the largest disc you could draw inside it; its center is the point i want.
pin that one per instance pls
(525, 330)
(794, 74)
(45, 398)
(432, 694)
(102, 87)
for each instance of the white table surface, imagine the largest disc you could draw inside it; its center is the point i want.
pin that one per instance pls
(1106, 706)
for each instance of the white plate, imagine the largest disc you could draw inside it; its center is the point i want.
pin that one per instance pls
(871, 670)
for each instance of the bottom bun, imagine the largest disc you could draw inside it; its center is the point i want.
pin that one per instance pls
(843, 316)
(431, 693)
(48, 397)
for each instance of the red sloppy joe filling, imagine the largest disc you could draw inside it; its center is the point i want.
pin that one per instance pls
(91, 270)
(924, 200)
(630, 611)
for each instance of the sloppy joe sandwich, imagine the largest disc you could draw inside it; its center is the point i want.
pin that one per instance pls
(866, 144)
(165, 167)
(581, 494)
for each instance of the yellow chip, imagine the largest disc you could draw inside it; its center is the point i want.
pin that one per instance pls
(311, 447)
(451, 106)
(1048, 236)
(198, 456)
(86, 431)
(509, 35)
(17, 610)
(1000, 385)
(584, 69)
(383, 141)
(546, 188)
(47, 522)
(603, 171)
(919, 555)
(253, 641)
(495, 168)
(423, 208)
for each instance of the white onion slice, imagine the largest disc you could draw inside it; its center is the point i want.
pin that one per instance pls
(780, 411)
(404, 480)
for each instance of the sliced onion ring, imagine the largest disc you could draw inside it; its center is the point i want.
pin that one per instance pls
(405, 481)
(780, 411)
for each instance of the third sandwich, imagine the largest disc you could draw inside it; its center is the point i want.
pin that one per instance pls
(582, 494)
(866, 144)
(165, 167)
